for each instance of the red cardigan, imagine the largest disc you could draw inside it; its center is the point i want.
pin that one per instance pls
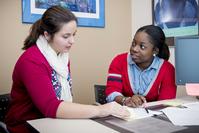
(32, 93)
(163, 86)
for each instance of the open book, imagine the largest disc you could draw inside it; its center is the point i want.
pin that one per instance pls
(139, 113)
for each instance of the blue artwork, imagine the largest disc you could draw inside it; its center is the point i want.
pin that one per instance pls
(89, 12)
(176, 17)
(176, 13)
(88, 6)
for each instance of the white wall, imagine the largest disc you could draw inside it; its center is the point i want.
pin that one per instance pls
(142, 15)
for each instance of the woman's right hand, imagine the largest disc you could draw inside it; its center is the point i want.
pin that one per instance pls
(114, 109)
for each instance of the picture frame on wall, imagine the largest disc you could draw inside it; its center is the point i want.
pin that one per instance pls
(176, 17)
(90, 13)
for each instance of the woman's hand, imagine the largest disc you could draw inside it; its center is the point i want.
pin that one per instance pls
(135, 101)
(114, 109)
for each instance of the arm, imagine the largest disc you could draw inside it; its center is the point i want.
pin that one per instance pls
(75, 110)
(39, 86)
(114, 80)
(114, 90)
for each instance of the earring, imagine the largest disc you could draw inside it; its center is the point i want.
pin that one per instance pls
(154, 54)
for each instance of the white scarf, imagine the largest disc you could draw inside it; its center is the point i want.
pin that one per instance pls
(59, 63)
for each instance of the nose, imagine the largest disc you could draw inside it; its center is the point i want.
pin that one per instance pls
(135, 48)
(72, 40)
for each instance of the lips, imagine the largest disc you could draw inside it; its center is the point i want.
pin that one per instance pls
(68, 47)
(134, 56)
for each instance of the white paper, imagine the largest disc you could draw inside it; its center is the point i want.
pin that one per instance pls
(193, 105)
(182, 116)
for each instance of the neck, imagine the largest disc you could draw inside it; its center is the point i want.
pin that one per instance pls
(144, 65)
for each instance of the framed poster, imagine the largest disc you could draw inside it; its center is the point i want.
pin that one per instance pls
(90, 13)
(176, 17)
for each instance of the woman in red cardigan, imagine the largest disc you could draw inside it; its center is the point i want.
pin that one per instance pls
(144, 74)
(42, 84)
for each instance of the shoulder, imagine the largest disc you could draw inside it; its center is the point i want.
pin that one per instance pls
(167, 65)
(32, 56)
(119, 61)
(122, 56)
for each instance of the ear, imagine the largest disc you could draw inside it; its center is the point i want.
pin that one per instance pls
(46, 35)
(155, 51)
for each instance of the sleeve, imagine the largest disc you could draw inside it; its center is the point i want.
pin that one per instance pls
(168, 86)
(38, 83)
(114, 79)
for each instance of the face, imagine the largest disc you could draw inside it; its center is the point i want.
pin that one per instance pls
(64, 38)
(142, 50)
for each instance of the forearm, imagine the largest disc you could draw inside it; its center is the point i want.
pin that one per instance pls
(74, 110)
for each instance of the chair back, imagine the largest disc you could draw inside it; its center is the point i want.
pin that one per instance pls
(4, 102)
(100, 96)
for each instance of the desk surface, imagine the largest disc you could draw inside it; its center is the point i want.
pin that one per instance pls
(111, 124)
(158, 124)
(49, 125)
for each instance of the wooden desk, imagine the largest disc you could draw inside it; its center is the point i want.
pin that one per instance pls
(103, 125)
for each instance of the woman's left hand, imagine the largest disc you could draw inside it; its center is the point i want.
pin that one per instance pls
(135, 101)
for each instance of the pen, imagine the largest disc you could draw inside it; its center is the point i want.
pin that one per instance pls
(146, 110)
(181, 106)
(145, 107)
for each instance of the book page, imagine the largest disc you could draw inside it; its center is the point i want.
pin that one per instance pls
(139, 113)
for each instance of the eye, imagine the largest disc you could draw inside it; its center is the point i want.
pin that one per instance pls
(65, 37)
(142, 46)
(133, 44)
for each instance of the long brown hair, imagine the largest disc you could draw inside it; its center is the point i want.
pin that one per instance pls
(51, 22)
